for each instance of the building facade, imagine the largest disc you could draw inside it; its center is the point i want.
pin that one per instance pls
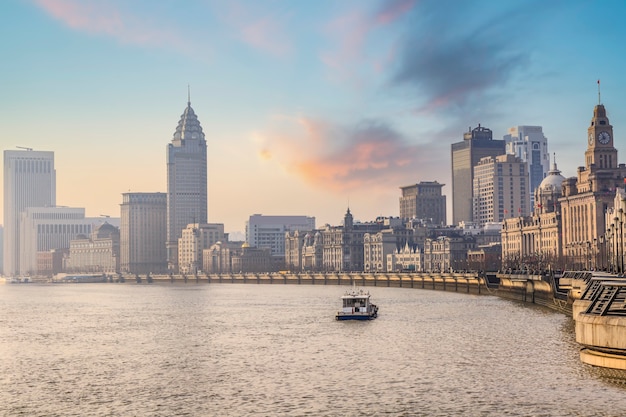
(99, 252)
(218, 258)
(143, 232)
(408, 258)
(530, 145)
(447, 253)
(423, 201)
(197, 237)
(187, 196)
(500, 189)
(45, 228)
(587, 197)
(477, 143)
(534, 242)
(29, 181)
(269, 232)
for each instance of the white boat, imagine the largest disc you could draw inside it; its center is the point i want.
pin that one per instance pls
(356, 305)
(19, 280)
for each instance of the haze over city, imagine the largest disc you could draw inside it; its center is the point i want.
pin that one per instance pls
(307, 107)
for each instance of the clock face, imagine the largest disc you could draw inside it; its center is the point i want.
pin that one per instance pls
(604, 137)
(591, 139)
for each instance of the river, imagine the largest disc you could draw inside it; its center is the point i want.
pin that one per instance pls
(276, 350)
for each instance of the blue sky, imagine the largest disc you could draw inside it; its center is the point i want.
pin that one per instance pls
(307, 106)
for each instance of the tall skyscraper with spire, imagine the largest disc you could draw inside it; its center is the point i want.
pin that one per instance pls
(29, 181)
(186, 181)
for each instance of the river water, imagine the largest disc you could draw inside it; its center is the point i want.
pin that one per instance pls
(276, 350)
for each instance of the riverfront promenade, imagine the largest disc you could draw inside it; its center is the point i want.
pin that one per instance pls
(535, 289)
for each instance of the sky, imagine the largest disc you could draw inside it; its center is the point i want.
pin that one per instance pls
(308, 107)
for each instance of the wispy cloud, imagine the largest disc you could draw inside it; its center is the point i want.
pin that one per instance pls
(259, 27)
(371, 156)
(109, 19)
(349, 34)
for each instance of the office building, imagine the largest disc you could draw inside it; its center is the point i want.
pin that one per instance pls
(186, 181)
(143, 231)
(530, 145)
(269, 231)
(29, 181)
(46, 228)
(423, 201)
(477, 143)
(500, 189)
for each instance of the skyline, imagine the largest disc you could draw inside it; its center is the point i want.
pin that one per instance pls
(307, 108)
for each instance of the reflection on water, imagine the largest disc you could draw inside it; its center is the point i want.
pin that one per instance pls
(233, 349)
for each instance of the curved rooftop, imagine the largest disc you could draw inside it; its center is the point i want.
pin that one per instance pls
(188, 126)
(553, 181)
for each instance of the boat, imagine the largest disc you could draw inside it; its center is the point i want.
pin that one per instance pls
(19, 280)
(356, 305)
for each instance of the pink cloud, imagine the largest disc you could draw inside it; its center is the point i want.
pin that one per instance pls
(368, 157)
(107, 19)
(351, 31)
(393, 10)
(257, 27)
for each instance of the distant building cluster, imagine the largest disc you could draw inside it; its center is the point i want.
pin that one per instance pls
(511, 210)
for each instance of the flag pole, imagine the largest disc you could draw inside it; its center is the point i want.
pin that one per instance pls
(599, 102)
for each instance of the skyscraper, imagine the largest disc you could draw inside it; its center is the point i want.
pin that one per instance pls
(186, 181)
(477, 143)
(142, 233)
(29, 181)
(530, 145)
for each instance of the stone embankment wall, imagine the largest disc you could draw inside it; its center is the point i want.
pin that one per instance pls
(524, 288)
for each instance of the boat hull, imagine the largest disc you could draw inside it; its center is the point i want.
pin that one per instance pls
(355, 316)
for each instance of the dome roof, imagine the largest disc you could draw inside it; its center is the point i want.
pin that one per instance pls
(245, 245)
(105, 230)
(553, 181)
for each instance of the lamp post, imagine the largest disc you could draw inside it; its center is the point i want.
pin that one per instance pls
(601, 251)
(621, 236)
(616, 244)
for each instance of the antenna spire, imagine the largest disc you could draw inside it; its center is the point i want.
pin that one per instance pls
(599, 101)
(189, 95)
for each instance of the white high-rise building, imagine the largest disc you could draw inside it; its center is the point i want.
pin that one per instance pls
(186, 181)
(530, 145)
(46, 228)
(29, 181)
(269, 231)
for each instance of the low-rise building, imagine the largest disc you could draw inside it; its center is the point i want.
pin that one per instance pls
(195, 238)
(447, 253)
(100, 252)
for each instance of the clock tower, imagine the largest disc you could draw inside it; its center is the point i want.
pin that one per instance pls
(600, 150)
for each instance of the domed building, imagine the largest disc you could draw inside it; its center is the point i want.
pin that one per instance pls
(534, 242)
(549, 191)
(99, 253)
